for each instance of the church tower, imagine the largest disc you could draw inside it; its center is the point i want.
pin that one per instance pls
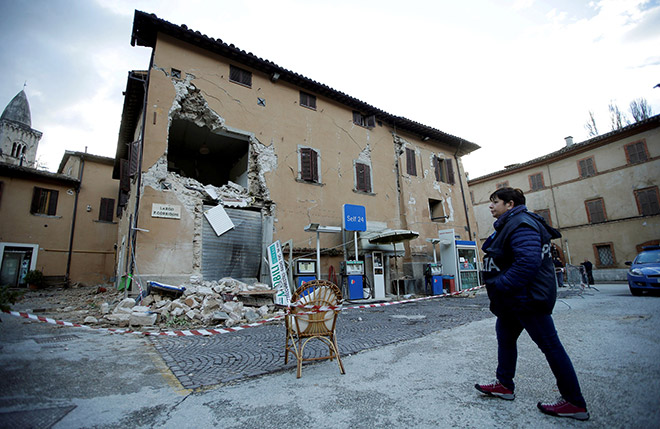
(18, 141)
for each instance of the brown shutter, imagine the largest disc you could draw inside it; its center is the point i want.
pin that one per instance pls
(450, 172)
(411, 168)
(371, 121)
(309, 165)
(124, 176)
(36, 196)
(134, 157)
(52, 203)
(107, 209)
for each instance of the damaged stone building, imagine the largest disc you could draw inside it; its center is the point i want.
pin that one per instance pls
(209, 125)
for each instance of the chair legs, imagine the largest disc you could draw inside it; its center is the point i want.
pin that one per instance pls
(298, 347)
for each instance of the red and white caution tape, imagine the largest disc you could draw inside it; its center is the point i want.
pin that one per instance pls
(209, 331)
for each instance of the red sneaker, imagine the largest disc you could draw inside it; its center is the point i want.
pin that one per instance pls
(563, 408)
(496, 389)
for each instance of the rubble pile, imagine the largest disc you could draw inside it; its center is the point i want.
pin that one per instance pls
(203, 304)
(227, 302)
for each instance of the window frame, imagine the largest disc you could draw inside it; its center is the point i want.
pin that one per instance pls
(240, 76)
(589, 213)
(652, 190)
(363, 180)
(433, 204)
(411, 162)
(309, 173)
(501, 185)
(581, 171)
(307, 100)
(547, 218)
(366, 121)
(599, 263)
(444, 170)
(531, 181)
(628, 146)
(40, 207)
(106, 210)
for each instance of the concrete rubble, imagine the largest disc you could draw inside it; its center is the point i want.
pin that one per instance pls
(204, 304)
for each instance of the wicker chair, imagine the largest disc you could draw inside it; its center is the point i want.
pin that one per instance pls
(305, 324)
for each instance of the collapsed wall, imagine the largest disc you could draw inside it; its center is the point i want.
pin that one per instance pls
(190, 108)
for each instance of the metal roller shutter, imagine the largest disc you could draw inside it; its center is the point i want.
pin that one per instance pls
(237, 252)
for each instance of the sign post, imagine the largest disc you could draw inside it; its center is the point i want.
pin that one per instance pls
(354, 219)
(278, 274)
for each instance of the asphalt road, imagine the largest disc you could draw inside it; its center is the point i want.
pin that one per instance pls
(415, 366)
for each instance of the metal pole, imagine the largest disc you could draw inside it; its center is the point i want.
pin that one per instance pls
(318, 255)
(356, 246)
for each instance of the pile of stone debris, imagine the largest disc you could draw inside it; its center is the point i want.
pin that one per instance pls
(203, 304)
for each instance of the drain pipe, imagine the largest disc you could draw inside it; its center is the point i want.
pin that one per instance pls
(73, 220)
(460, 181)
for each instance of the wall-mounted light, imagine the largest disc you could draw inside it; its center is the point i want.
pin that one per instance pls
(89, 208)
(274, 77)
(425, 139)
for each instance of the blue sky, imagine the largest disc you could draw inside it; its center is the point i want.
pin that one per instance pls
(515, 77)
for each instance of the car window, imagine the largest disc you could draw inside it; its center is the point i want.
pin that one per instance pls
(648, 258)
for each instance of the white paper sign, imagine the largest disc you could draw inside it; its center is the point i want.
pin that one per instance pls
(167, 211)
(219, 220)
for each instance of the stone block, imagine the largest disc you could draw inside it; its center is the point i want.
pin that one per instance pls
(142, 319)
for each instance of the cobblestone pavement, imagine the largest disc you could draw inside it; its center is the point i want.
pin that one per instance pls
(205, 361)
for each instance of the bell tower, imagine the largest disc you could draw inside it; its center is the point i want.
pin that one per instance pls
(18, 141)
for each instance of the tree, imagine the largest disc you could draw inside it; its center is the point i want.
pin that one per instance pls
(617, 118)
(640, 109)
(591, 125)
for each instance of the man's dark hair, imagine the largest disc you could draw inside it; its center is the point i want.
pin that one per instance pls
(509, 194)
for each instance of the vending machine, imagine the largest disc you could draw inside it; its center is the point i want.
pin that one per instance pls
(460, 260)
(305, 271)
(353, 275)
(378, 275)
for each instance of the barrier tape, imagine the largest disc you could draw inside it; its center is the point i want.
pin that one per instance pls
(211, 331)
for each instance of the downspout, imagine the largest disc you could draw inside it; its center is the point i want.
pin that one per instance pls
(73, 220)
(133, 225)
(460, 180)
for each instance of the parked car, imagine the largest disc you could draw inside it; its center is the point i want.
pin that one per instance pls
(644, 273)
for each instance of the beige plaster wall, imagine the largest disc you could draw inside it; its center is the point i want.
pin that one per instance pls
(18, 225)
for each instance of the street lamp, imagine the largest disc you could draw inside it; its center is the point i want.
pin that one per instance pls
(318, 229)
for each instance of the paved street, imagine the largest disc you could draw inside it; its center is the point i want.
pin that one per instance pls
(410, 365)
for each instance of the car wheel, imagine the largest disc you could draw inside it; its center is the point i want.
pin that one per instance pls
(635, 292)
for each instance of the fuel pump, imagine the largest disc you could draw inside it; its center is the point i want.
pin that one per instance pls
(305, 271)
(353, 273)
(433, 271)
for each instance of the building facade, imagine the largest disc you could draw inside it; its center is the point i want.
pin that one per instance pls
(62, 223)
(602, 194)
(209, 126)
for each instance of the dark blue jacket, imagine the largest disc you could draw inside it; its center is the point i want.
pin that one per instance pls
(518, 268)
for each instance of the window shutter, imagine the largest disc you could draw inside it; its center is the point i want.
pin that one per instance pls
(363, 177)
(648, 201)
(107, 209)
(309, 165)
(36, 196)
(124, 176)
(52, 203)
(134, 156)
(450, 172)
(596, 212)
(411, 168)
(371, 121)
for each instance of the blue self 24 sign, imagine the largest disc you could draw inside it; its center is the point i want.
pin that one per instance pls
(355, 218)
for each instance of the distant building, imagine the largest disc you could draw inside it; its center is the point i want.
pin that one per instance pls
(210, 125)
(602, 194)
(60, 223)
(18, 141)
